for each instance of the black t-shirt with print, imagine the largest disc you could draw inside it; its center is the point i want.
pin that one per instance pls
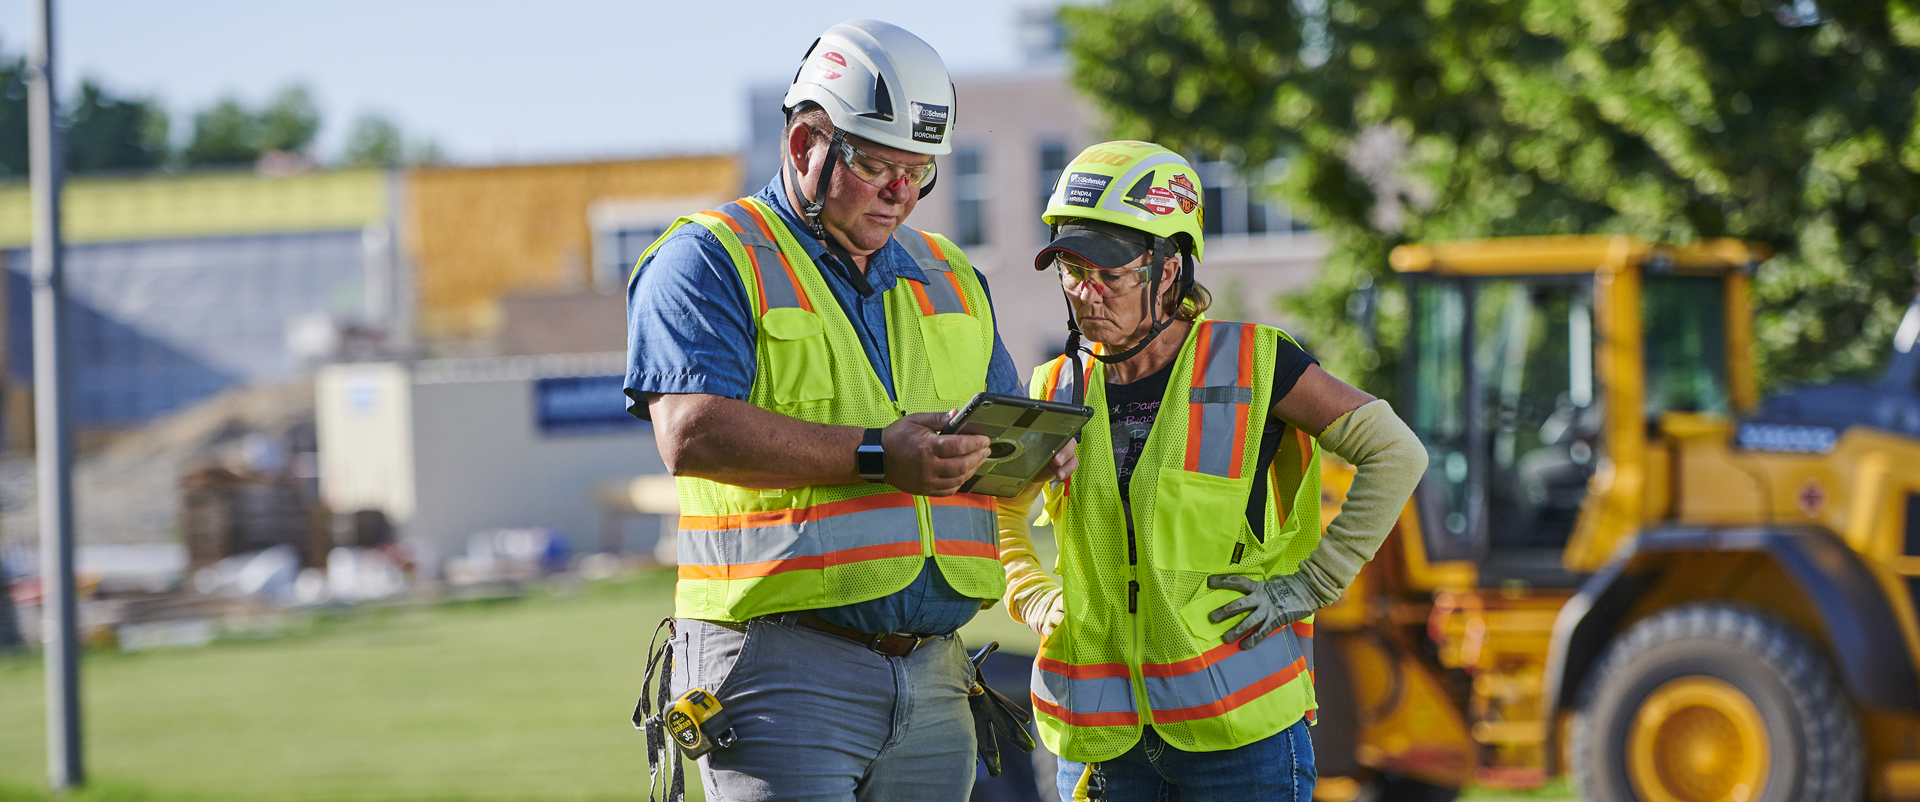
(1131, 407)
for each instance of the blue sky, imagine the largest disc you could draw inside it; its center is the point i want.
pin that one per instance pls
(492, 81)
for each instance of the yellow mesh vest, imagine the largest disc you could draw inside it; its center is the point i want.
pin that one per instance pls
(746, 552)
(1136, 647)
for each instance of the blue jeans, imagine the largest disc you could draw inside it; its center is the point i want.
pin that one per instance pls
(1278, 769)
(823, 719)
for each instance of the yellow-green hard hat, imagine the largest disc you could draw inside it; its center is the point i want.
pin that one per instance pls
(1139, 185)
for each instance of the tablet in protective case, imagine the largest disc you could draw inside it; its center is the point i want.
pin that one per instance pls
(1026, 433)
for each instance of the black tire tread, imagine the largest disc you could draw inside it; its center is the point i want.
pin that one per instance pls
(1835, 770)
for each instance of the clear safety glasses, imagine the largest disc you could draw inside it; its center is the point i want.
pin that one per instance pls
(1074, 273)
(877, 171)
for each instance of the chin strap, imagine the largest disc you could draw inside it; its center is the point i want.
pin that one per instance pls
(1149, 303)
(810, 207)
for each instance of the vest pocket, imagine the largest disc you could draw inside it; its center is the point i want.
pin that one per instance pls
(1197, 521)
(954, 354)
(800, 363)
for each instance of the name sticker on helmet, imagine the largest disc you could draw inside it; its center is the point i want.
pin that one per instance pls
(836, 58)
(1161, 200)
(929, 123)
(1084, 189)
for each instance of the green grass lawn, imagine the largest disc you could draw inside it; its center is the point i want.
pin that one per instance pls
(515, 700)
(502, 701)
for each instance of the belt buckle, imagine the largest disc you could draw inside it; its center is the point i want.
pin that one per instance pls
(912, 644)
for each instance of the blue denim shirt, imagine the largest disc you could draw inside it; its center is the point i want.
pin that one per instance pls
(689, 331)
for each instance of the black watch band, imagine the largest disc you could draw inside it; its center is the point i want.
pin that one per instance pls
(870, 459)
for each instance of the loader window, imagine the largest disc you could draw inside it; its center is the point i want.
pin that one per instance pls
(1533, 356)
(1685, 321)
(1438, 389)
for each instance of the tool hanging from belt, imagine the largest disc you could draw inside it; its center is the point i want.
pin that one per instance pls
(692, 725)
(995, 717)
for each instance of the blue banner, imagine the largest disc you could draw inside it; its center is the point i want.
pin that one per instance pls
(577, 404)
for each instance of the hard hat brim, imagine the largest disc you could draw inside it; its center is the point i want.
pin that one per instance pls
(1100, 244)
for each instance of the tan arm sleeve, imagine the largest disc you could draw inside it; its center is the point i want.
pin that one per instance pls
(1033, 598)
(1389, 461)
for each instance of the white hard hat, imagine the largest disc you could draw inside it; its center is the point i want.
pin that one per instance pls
(881, 83)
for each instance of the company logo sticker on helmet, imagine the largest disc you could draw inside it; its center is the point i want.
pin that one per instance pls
(836, 58)
(929, 122)
(1161, 200)
(1103, 157)
(1189, 199)
(1084, 189)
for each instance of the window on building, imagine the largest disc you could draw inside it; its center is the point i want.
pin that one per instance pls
(969, 196)
(620, 249)
(1239, 207)
(1053, 161)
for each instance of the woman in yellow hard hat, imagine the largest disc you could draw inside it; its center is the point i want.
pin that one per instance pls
(1175, 651)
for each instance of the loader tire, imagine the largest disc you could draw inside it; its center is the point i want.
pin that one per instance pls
(1695, 702)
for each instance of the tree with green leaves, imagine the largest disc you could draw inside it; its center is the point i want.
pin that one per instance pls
(377, 141)
(1792, 125)
(105, 132)
(228, 133)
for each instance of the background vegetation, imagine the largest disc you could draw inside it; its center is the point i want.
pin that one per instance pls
(1789, 124)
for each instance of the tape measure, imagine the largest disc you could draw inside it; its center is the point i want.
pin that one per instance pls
(697, 724)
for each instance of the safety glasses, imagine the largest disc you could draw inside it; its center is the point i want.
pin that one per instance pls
(877, 171)
(1074, 273)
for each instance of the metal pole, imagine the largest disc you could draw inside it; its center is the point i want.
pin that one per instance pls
(54, 448)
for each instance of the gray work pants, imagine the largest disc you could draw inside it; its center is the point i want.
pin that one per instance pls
(821, 718)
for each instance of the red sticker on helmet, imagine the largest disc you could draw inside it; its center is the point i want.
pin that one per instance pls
(836, 58)
(1161, 200)
(1189, 199)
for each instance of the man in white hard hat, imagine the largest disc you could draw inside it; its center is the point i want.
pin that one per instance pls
(798, 351)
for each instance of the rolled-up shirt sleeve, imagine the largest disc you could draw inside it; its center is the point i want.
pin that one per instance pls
(688, 330)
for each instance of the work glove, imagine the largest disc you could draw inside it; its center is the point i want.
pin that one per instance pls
(995, 717)
(1269, 605)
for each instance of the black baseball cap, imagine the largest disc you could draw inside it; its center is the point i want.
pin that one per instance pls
(1100, 244)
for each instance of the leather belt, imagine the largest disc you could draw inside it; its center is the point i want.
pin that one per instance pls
(889, 644)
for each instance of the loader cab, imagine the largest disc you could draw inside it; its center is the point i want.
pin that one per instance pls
(1534, 370)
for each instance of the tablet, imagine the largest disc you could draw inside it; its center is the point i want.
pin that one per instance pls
(1026, 434)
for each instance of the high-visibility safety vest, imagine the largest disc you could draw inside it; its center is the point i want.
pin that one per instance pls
(1136, 647)
(747, 552)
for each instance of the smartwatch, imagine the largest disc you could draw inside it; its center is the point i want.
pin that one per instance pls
(870, 459)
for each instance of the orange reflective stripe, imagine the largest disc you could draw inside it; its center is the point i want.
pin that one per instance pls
(958, 291)
(934, 246)
(1195, 421)
(920, 294)
(1234, 700)
(1246, 380)
(1127, 719)
(811, 562)
(749, 520)
(966, 548)
(975, 500)
(1084, 671)
(798, 290)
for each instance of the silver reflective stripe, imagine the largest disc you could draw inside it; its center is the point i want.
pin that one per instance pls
(1220, 400)
(775, 283)
(1082, 696)
(922, 253)
(1063, 389)
(763, 544)
(964, 523)
(1239, 671)
(940, 289)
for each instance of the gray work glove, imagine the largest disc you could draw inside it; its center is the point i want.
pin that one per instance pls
(1269, 605)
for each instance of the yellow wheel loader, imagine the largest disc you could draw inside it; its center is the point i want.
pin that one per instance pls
(1620, 566)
